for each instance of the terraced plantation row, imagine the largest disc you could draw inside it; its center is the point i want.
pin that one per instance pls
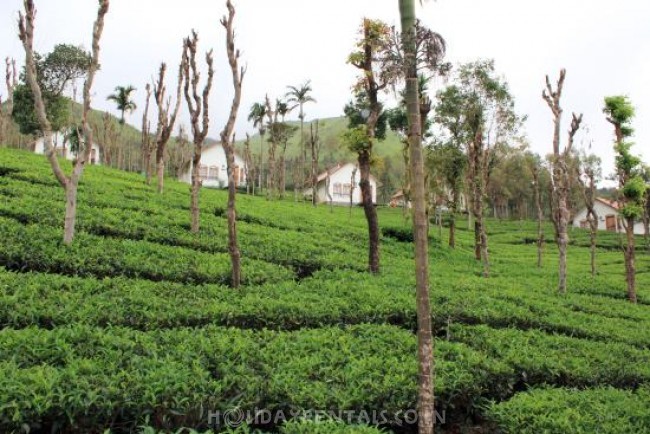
(134, 329)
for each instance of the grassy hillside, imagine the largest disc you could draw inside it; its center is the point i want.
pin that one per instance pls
(330, 130)
(134, 329)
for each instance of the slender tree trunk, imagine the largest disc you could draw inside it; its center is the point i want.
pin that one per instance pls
(303, 150)
(452, 220)
(70, 211)
(560, 191)
(233, 246)
(228, 145)
(426, 412)
(195, 189)
(160, 170)
(593, 231)
(477, 237)
(370, 212)
(646, 220)
(282, 179)
(563, 242)
(630, 267)
(314, 145)
(26, 35)
(540, 220)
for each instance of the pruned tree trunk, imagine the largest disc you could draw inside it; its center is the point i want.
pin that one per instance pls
(560, 174)
(198, 106)
(452, 217)
(7, 107)
(477, 172)
(227, 141)
(146, 137)
(248, 162)
(369, 211)
(630, 266)
(71, 183)
(426, 413)
(314, 144)
(166, 120)
(372, 88)
(540, 215)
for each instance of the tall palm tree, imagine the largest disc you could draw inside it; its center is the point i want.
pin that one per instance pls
(426, 412)
(122, 97)
(300, 96)
(256, 115)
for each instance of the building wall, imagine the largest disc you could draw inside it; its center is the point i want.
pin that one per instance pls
(58, 139)
(602, 211)
(214, 169)
(339, 187)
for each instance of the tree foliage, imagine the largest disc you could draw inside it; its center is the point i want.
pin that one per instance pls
(122, 99)
(57, 108)
(64, 65)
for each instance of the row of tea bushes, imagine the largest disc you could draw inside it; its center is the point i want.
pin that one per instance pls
(80, 376)
(40, 248)
(571, 411)
(327, 298)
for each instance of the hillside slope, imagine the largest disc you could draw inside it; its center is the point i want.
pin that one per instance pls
(134, 325)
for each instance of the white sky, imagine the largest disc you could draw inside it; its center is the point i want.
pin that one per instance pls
(603, 44)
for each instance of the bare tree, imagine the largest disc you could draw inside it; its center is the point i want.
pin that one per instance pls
(166, 119)
(70, 183)
(198, 107)
(560, 173)
(7, 107)
(147, 145)
(227, 141)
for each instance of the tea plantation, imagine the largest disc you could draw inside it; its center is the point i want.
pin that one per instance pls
(134, 329)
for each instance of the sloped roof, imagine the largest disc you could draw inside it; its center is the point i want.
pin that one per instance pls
(332, 170)
(610, 203)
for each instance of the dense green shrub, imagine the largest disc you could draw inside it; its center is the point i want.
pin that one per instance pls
(604, 410)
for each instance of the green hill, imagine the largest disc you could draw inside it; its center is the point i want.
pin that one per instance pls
(330, 131)
(133, 328)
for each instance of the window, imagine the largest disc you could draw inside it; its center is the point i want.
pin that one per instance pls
(203, 172)
(213, 173)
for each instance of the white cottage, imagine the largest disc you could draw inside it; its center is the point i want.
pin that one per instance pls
(62, 148)
(340, 185)
(213, 169)
(607, 212)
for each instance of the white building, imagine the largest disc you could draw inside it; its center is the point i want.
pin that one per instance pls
(213, 168)
(62, 148)
(607, 213)
(339, 186)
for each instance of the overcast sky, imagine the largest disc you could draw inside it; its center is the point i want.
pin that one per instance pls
(604, 46)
